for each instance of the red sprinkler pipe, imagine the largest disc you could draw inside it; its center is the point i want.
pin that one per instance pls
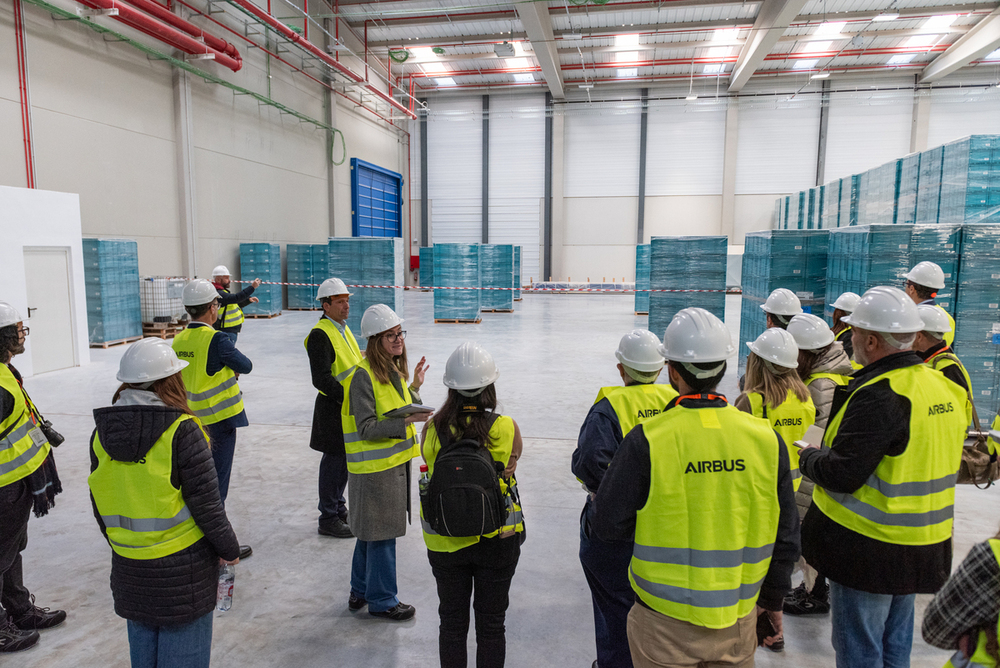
(22, 81)
(159, 11)
(296, 38)
(157, 29)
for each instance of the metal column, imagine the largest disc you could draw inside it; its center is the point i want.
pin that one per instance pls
(486, 169)
(640, 230)
(824, 124)
(424, 218)
(547, 222)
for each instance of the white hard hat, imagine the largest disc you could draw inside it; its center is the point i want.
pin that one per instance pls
(470, 367)
(888, 310)
(694, 335)
(378, 318)
(640, 350)
(782, 302)
(777, 347)
(221, 270)
(332, 287)
(810, 332)
(9, 315)
(847, 302)
(199, 292)
(148, 360)
(927, 274)
(935, 320)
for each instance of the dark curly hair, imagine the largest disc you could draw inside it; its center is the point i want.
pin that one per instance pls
(9, 345)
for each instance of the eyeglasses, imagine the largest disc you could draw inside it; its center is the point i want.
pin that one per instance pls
(24, 330)
(396, 337)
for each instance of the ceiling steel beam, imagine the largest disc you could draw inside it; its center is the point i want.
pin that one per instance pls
(983, 38)
(772, 19)
(537, 23)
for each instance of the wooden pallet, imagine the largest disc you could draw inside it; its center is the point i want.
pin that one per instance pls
(262, 316)
(108, 344)
(459, 321)
(498, 310)
(519, 299)
(168, 332)
(642, 312)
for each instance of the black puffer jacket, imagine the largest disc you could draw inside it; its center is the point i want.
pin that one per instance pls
(181, 587)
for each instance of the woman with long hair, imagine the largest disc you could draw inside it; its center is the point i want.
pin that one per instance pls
(155, 495)
(379, 449)
(481, 563)
(964, 614)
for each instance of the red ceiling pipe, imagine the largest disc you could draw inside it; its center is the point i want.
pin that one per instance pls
(145, 23)
(294, 37)
(159, 11)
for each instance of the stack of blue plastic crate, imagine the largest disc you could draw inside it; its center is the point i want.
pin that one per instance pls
(849, 201)
(427, 266)
(970, 180)
(977, 327)
(791, 259)
(686, 263)
(457, 266)
(375, 264)
(111, 272)
(642, 279)
(864, 256)
(929, 186)
(517, 273)
(263, 261)
(941, 244)
(831, 205)
(321, 265)
(496, 262)
(299, 258)
(909, 180)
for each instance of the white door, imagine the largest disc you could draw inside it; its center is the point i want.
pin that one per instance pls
(46, 271)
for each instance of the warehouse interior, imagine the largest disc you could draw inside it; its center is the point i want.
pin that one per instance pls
(559, 157)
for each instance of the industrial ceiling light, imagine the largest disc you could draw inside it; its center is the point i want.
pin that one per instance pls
(586, 86)
(505, 50)
(572, 35)
(524, 77)
(691, 97)
(887, 16)
(820, 75)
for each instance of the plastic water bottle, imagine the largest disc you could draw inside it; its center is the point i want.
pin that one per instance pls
(424, 482)
(227, 579)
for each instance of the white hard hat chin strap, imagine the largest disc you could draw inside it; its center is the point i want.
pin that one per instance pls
(471, 393)
(701, 374)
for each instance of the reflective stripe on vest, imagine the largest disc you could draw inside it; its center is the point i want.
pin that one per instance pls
(949, 337)
(909, 499)
(941, 361)
(144, 514)
(230, 314)
(634, 404)
(713, 482)
(384, 453)
(500, 447)
(791, 419)
(843, 334)
(347, 354)
(211, 398)
(981, 657)
(838, 379)
(24, 447)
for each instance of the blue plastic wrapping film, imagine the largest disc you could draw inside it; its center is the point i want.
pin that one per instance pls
(642, 278)
(517, 272)
(427, 266)
(496, 262)
(978, 320)
(299, 261)
(686, 263)
(111, 275)
(791, 259)
(864, 256)
(909, 179)
(375, 264)
(263, 261)
(457, 265)
(321, 267)
(941, 244)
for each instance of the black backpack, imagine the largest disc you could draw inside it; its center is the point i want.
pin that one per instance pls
(463, 497)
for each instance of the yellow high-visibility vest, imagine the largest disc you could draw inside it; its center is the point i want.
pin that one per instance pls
(704, 538)
(636, 403)
(910, 498)
(941, 361)
(500, 447)
(384, 453)
(144, 514)
(791, 420)
(23, 446)
(348, 354)
(231, 315)
(981, 657)
(211, 398)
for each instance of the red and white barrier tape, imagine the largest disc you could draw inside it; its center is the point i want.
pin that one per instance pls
(531, 289)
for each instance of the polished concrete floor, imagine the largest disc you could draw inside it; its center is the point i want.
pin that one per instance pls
(290, 604)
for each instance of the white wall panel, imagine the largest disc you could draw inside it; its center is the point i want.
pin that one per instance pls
(961, 112)
(602, 150)
(867, 129)
(517, 174)
(684, 148)
(777, 145)
(455, 169)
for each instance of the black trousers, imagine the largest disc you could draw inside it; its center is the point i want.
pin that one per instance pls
(15, 509)
(332, 483)
(485, 568)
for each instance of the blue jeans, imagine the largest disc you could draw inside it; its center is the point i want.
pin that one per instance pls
(184, 646)
(606, 566)
(332, 483)
(871, 630)
(223, 448)
(373, 573)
